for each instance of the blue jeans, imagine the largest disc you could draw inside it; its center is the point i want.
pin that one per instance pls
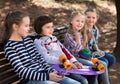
(80, 78)
(65, 80)
(85, 62)
(104, 76)
(109, 59)
(91, 79)
(41, 82)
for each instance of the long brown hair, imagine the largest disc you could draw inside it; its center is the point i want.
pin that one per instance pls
(13, 17)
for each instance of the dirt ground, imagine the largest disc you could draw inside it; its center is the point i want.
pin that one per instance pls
(60, 12)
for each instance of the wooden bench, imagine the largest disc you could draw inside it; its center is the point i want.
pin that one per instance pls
(7, 74)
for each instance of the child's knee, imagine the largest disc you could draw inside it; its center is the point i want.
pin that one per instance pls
(84, 81)
(104, 63)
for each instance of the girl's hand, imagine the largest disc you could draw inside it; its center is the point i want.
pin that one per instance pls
(90, 35)
(54, 77)
(76, 34)
(74, 66)
(77, 64)
(77, 37)
(101, 53)
(98, 50)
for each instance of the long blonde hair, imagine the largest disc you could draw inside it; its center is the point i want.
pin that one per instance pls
(83, 30)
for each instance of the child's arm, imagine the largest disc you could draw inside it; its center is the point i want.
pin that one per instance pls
(77, 37)
(67, 53)
(25, 72)
(95, 46)
(69, 40)
(70, 57)
(44, 52)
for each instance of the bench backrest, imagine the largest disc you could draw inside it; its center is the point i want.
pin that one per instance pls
(7, 74)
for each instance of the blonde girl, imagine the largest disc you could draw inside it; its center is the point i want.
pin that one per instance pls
(76, 39)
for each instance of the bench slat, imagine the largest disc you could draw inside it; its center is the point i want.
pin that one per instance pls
(3, 61)
(10, 80)
(6, 73)
(5, 67)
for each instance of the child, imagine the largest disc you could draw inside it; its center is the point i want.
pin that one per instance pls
(50, 47)
(93, 33)
(76, 39)
(23, 56)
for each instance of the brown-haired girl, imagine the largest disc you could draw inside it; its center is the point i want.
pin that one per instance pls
(92, 16)
(23, 56)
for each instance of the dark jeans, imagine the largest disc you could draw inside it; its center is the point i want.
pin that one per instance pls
(109, 59)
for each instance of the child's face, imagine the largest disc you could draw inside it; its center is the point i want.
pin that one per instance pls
(23, 28)
(47, 29)
(78, 22)
(91, 18)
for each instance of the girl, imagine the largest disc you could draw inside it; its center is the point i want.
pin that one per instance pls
(50, 47)
(93, 34)
(76, 39)
(20, 51)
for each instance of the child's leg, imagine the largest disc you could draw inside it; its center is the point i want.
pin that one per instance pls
(40, 82)
(104, 59)
(67, 80)
(81, 79)
(111, 59)
(85, 62)
(92, 79)
(104, 76)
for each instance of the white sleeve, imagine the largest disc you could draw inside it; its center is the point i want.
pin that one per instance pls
(43, 51)
(70, 57)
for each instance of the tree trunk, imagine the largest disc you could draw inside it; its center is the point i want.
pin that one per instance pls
(117, 48)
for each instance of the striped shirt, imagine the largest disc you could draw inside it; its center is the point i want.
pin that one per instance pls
(26, 61)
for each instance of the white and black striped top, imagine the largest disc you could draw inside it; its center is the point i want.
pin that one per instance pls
(27, 62)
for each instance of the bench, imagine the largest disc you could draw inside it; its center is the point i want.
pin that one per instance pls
(7, 74)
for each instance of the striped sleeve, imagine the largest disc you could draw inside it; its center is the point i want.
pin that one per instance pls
(24, 72)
